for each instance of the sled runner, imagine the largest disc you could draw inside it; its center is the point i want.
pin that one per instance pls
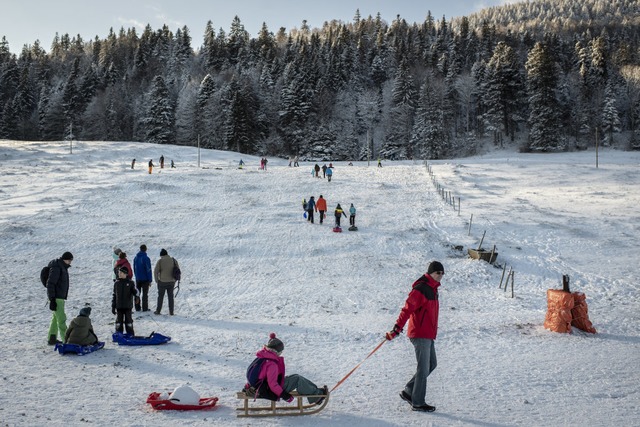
(337, 229)
(153, 339)
(353, 228)
(274, 410)
(80, 350)
(166, 404)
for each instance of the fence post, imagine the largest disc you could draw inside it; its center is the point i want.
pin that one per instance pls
(470, 221)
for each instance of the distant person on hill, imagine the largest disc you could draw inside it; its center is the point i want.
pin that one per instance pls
(352, 215)
(295, 161)
(379, 162)
(162, 161)
(338, 214)
(324, 170)
(144, 276)
(124, 292)
(311, 206)
(133, 163)
(240, 164)
(173, 165)
(57, 292)
(321, 206)
(329, 174)
(316, 169)
(80, 330)
(270, 380)
(421, 311)
(150, 166)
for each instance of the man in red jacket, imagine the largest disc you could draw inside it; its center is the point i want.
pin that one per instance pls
(421, 310)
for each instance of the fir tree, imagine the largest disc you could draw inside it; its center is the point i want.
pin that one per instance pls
(160, 120)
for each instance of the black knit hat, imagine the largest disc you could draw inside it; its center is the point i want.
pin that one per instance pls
(124, 269)
(274, 343)
(163, 252)
(435, 266)
(143, 248)
(67, 256)
(85, 311)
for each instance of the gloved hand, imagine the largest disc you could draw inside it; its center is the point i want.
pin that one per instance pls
(287, 397)
(52, 304)
(394, 332)
(113, 310)
(137, 300)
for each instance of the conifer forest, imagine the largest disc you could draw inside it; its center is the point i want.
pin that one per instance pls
(547, 75)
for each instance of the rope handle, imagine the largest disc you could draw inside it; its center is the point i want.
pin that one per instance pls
(357, 366)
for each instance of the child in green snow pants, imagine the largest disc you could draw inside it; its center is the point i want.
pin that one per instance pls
(58, 324)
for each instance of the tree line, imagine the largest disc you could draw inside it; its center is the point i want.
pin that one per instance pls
(548, 75)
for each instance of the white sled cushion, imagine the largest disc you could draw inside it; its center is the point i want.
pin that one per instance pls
(184, 395)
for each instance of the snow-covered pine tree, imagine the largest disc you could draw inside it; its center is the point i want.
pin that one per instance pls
(159, 122)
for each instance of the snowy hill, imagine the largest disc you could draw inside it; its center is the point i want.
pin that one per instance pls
(252, 265)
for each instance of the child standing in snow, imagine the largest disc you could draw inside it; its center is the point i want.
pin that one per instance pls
(352, 215)
(124, 292)
(338, 213)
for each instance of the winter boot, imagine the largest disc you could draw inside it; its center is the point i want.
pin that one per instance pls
(53, 340)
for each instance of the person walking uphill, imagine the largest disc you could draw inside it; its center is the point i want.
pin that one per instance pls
(271, 382)
(338, 214)
(163, 274)
(311, 206)
(421, 310)
(124, 291)
(144, 276)
(57, 292)
(321, 206)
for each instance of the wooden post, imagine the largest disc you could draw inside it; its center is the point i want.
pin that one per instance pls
(470, 221)
(508, 275)
(565, 283)
(493, 251)
(513, 273)
(458, 206)
(504, 269)
(482, 240)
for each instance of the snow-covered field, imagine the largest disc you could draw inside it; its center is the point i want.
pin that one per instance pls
(252, 265)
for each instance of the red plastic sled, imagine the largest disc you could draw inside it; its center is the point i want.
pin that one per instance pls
(205, 403)
(337, 229)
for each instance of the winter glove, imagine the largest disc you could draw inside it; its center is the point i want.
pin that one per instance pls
(287, 397)
(52, 304)
(394, 332)
(113, 310)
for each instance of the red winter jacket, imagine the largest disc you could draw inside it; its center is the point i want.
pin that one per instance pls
(421, 309)
(123, 262)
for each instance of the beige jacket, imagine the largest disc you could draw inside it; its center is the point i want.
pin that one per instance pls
(163, 272)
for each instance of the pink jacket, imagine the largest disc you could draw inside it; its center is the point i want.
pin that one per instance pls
(272, 370)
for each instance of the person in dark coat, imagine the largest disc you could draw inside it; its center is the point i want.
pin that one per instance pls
(124, 292)
(311, 206)
(57, 292)
(80, 330)
(144, 276)
(338, 213)
(421, 311)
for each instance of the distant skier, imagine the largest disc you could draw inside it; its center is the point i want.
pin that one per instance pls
(379, 162)
(240, 164)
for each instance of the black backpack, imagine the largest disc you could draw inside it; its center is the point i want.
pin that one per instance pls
(177, 274)
(253, 371)
(44, 275)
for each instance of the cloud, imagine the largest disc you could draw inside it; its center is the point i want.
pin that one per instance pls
(131, 22)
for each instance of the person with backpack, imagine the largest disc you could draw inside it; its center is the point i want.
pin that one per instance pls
(80, 330)
(311, 206)
(163, 274)
(266, 377)
(144, 276)
(57, 284)
(338, 214)
(124, 292)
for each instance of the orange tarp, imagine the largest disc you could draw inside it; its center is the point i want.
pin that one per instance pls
(565, 309)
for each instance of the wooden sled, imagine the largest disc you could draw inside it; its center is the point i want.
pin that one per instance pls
(273, 410)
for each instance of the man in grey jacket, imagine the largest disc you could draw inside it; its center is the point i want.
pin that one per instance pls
(163, 275)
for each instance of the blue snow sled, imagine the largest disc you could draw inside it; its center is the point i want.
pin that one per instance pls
(80, 350)
(127, 339)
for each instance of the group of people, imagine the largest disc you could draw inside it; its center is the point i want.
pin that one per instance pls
(420, 311)
(320, 206)
(151, 165)
(293, 160)
(126, 294)
(263, 163)
(327, 171)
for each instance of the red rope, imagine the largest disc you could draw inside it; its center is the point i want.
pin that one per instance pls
(357, 366)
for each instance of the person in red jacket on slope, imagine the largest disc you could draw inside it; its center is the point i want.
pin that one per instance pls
(421, 311)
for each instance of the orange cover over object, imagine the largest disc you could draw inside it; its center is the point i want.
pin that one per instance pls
(580, 313)
(559, 305)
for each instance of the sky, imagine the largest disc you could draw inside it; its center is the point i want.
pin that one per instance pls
(23, 22)
(251, 264)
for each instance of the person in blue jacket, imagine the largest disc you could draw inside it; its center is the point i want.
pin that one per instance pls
(311, 206)
(144, 277)
(329, 173)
